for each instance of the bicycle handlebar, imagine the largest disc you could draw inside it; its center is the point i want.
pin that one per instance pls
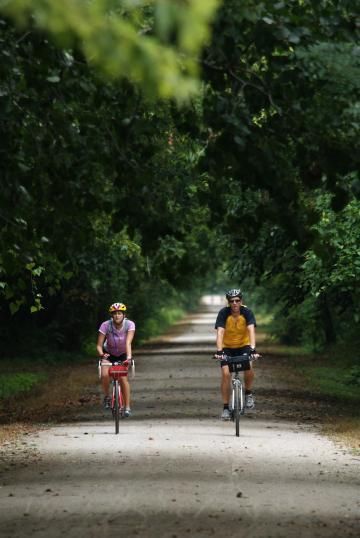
(130, 363)
(238, 359)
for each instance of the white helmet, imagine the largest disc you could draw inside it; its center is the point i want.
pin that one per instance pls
(234, 293)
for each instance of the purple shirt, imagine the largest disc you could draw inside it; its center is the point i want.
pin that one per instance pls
(115, 342)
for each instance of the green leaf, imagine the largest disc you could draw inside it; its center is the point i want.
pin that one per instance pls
(38, 271)
(14, 307)
(53, 78)
(24, 167)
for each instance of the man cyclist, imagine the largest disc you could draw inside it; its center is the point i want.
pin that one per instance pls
(235, 335)
(114, 345)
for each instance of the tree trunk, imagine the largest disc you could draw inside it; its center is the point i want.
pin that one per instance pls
(326, 319)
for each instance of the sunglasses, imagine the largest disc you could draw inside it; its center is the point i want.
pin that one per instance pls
(234, 301)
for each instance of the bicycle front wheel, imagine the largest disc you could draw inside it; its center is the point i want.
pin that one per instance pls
(237, 407)
(117, 406)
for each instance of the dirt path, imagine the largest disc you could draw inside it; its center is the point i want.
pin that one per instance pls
(175, 470)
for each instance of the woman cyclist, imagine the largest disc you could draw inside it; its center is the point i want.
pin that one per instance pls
(114, 345)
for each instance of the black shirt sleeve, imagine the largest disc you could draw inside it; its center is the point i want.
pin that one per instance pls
(222, 317)
(248, 315)
(225, 312)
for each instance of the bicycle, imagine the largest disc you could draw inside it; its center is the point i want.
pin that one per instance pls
(239, 364)
(116, 372)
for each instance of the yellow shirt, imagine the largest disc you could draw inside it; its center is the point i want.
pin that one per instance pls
(236, 332)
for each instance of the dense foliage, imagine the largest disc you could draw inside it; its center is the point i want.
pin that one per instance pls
(107, 195)
(282, 105)
(153, 43)
(98, 201)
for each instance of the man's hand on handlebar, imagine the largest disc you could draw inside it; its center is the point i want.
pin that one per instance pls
(253, 353)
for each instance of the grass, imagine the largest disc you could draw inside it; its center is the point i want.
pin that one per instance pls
(345, 431)
(24, 375)
(157, 324)
(268, 343)
(13, 384)
(338, 382)
(334, 375)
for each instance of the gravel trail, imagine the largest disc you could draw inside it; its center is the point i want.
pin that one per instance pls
(175, 469)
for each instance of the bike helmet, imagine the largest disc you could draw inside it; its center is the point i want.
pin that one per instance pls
(117, 307)
(233, 293)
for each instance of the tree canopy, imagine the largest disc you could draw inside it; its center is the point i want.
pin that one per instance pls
(154, 44)
(110, 191)
(282, 111)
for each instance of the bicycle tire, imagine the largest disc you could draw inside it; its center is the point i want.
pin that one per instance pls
(237, 408)
(117, 406)
(121, 402)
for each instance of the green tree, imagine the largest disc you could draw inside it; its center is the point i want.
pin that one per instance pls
(281, 112)
(281, 120)
(100, 197)
(153, 43)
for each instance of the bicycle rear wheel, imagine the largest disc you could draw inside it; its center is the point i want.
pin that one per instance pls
(117, 406)
(237, 407)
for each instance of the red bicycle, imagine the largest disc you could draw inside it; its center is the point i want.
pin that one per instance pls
(116, 372)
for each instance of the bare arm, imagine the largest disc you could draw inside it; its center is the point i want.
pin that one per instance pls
(129, 339)
(100, 343)
(219, 338)
(251, 331)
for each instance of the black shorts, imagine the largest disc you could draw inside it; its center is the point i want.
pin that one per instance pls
(234, 352)
(121, 358)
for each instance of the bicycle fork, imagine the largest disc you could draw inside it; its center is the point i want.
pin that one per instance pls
(237, 387)
(117, 397)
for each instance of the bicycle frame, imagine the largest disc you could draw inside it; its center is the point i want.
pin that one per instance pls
(116, 372)
(237, 401)
(239, 364)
